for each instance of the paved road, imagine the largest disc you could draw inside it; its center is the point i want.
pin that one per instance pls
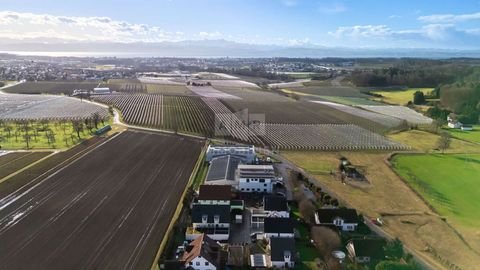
(107, 210)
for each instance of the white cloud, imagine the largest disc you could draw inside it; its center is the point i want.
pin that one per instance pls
(332, 8)
(28, 25)
(210, 35)
(298, 42)
(449, 18)
(361, 31)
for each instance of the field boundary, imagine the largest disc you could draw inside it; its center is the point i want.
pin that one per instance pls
(444, 219)
(26, 167)
(179, 208)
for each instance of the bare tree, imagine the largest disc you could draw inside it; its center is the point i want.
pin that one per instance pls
(307, 209)
(96, 119)
(77, 127)
(444, 141)
(325, 240)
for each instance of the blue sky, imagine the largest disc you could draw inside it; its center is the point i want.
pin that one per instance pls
(361, 23)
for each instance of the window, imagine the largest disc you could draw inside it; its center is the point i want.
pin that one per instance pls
(248, 180)
(262, 180)
(248, 189)
(264, 185)
(242, 189)
(198, 263)
(207, 263)
(264, 190)
(204, 218)
(216, 219)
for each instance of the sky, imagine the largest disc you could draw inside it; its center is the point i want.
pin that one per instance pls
(446, 24)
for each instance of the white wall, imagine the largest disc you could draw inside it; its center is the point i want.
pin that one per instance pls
(254, 185)
(281, 264)
(199, 263)
(214, 202)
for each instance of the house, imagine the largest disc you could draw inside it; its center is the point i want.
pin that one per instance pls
(256, 178)
(211, 219)
(260, 261)
(278, 227)
(453, 122)
(203, 253)
(343, 218)
(283, 254)
(215, 194)
(274, 206)
(222, 171)
(366, 250)
(246, 153)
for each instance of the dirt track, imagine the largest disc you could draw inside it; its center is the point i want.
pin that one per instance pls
(107, 210)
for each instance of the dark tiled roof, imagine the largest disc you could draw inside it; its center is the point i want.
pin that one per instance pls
(215, 192)
(278, 225)
(256, 171)
(222, 168)
(274, 203)
(223, 211)
(372, 248)
(328, 215)
(280, 246)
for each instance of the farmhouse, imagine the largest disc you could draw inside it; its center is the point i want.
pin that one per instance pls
(243, 152)
(256, 178)
(366, 250)
(278, 227)
(453, 122)
(215, 194)
(282, 252)
(203, 253)
(214, 220)
(222, 171)
(343, 218)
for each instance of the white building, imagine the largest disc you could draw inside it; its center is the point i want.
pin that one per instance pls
(343, 218)
(202, 254)
(283, 254)
(256, 178)
(244, 152)
(101, 90)
(274, 206)
(211, 219)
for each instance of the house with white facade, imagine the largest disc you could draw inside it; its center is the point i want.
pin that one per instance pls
(203, 253)
(210, 219)
(256, 178)
(214, 195)
(282, 253)
(342, 218)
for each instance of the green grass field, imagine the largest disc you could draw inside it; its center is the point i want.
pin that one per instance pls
(350, 100)
(64, 136)
(471, 136)
(400, 97)
(452, 190)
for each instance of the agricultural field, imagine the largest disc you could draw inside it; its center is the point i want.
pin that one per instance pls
(402, 112)
(45, 134)
(452, 191)
(337, 99)
(336, 91)
(50, 87)
(47, 107)
(13, 162)
(182, 113)
(107, 210)
(210, 92)
(252, 94)
(471, 136)
(405, 214)
(428, 142)
(388, 122)
(399, 97)
(326, 137)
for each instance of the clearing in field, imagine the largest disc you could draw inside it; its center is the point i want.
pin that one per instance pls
(406, 215)
(428, 142)
(401, 97)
